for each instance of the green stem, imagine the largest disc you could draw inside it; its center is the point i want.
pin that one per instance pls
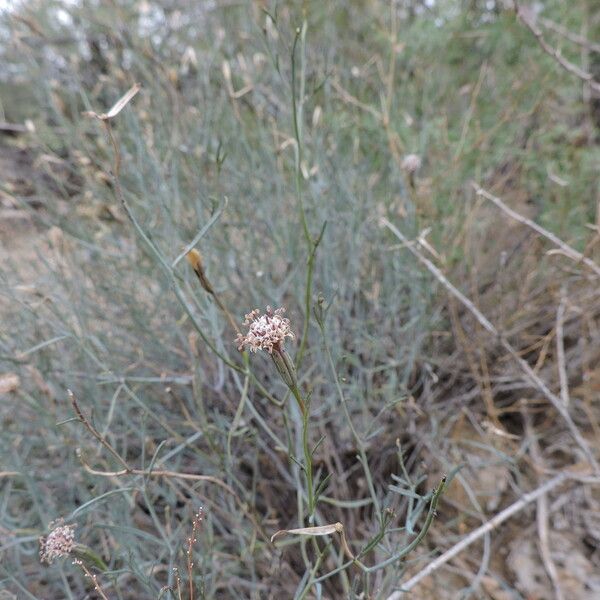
(297, 105)
(308, 468)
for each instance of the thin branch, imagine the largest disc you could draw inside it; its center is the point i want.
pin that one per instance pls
(542, 510)
(81, 417)
(570, 35)
(480, 532)
(177, 475)
(560, 350)
(529, 373)
(350, 99)
(566, 249)
(567, 65)
(92, 577)
(542, 523)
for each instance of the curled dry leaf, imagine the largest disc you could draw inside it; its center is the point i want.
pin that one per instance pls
(321, 530)
(118, 106)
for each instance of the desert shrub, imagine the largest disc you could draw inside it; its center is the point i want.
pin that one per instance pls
(209, 150)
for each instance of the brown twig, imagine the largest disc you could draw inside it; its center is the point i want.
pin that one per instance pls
(566, 249)
(184, 476)
(529, 22)
(542, 510)
(93, 577)
(560, 350)
(190, 550)
(81, 417)
(529, 373)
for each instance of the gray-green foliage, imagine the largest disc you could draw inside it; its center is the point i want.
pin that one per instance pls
(470, 92)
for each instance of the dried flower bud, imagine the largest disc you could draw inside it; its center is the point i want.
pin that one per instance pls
(320, 310)
(195, 259)
(60, 542)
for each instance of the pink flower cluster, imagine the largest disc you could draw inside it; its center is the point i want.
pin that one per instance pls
(266, 332)
(60, 542)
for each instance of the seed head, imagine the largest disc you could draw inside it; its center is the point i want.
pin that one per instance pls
(411, 163)
(60, 542)
(265, 332)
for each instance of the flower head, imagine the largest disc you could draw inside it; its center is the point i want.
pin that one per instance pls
(411, 163)
(60, 542)
(265, 332)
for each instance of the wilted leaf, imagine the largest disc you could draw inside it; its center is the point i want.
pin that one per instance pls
(321, 530)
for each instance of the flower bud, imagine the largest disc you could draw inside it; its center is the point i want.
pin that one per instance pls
(285, 366)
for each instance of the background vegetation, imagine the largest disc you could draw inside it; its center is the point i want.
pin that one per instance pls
(209, 146)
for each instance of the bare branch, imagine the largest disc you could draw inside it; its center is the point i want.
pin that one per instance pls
(567, 65)
(566, 249)
(83, 419)
(570, 35)
(178, 475)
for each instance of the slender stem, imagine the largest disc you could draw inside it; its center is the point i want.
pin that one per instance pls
(308, 465)
(313, 572)
(308, 468)
(299, 400)
(312, 244)
(95, 432)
